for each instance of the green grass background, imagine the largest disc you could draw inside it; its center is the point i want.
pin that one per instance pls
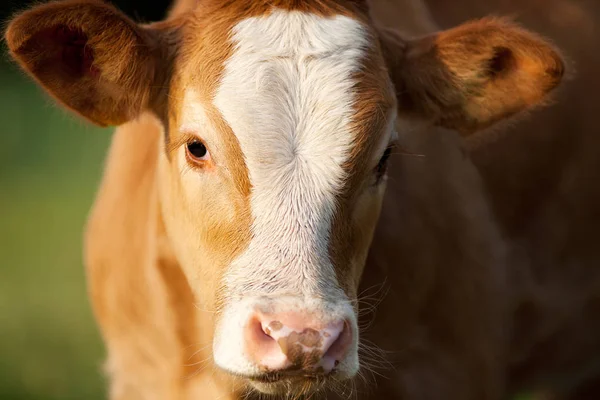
(50, 166)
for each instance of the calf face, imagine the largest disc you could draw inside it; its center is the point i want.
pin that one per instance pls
(278, 123)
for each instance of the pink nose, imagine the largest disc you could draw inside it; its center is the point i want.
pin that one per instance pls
(293, 342)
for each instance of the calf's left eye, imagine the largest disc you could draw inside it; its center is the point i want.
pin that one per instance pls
(381, 167)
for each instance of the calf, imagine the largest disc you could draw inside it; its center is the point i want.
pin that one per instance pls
(237, 219)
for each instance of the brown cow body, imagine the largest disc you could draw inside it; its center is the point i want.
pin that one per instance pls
(541, 181)
(463, 298)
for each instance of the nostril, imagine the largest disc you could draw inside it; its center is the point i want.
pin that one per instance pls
(338, 349)
(262, 345)
(258, 339)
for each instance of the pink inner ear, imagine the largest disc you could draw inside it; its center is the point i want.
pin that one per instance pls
(70, 48)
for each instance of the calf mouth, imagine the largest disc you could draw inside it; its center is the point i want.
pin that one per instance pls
(296, 384)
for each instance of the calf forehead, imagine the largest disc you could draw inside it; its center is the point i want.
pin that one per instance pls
(288, 92)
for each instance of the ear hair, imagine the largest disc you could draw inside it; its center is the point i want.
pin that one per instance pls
(90, 57)
(470, 77)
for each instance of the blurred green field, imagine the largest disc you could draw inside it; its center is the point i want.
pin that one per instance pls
(50, 165)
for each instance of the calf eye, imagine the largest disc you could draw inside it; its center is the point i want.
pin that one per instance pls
(196, 152)
(381, 168)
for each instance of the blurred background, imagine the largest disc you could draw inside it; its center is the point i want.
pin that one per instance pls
(51, 164)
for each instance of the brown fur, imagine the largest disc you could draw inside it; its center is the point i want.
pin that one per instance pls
(352, 227)
(410, 17)
(508, 69)
(546, 204)
(41, 39)
(455, 281)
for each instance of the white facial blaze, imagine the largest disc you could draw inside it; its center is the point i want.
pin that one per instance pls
(287, 94)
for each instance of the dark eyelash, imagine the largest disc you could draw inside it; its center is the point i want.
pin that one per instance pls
(381, 167)
(384, 159)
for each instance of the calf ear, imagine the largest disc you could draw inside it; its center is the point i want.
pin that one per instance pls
(471, 76)
(89, 56)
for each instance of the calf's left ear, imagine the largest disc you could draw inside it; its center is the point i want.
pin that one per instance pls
(89, 56)
(472, 76)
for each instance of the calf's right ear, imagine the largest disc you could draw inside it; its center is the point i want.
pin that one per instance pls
(90, 57)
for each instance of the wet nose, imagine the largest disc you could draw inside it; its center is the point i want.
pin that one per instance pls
(294, 341)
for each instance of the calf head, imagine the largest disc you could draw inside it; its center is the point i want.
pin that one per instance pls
(278, 120)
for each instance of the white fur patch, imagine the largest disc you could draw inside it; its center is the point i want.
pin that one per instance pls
(287, 94)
